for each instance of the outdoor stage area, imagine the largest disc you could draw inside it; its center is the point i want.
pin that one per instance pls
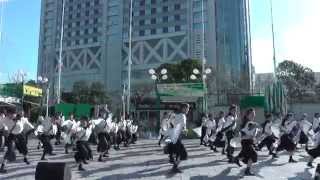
(145, 160)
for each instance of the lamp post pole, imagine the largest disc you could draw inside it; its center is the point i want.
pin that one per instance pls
(60, 53)
(129, 58)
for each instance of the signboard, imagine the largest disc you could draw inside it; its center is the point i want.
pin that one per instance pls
(32, 91)
(181, 90)
(10, 90)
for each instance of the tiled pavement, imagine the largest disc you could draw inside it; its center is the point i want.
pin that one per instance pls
(145, 160)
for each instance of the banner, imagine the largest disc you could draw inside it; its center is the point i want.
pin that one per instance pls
(32, 91)
(11, 90)
(181, 90)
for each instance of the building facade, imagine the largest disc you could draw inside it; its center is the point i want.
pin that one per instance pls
(95, 44)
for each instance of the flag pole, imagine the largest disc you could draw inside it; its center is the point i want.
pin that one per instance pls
(203, 59)
(129, 59)
(273, 42)
(60, 53)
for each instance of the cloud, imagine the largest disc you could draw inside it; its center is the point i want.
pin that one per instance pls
(262, 55)
(301, 41)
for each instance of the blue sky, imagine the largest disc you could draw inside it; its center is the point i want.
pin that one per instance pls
(297, 28)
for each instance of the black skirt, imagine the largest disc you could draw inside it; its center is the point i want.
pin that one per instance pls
(218, 142)
(20, 144)
(267, 141)
(314, 152)
(178, 149)
(248, 151)
(103, 143)
(45, 140)
(83, 151)
(303, 138)
(286, 143)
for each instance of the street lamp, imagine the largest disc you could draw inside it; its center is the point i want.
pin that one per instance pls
(44, 81)
(196, 72)
(158, 76)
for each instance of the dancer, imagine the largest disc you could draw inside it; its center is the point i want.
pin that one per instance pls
(2, 132)
(176, 149)
(268, 136)
(229, 130)
(45, 131)
(59, 119)
(305, 126)
(211, 132)
(290, 133)
(28, 128)
(220, 138)
(316, 122)
(84, 152)
(100, 129)
(204, 120)
(248, 155)
(68, 130)
(164, 126)
(13, 124)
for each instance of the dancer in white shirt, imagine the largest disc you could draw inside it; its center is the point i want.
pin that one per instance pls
(45, 131)
(14, 127)
(268, 136)
(204, 120)
(229, 130)
(249, 128)
(176, 149)
(83, 153)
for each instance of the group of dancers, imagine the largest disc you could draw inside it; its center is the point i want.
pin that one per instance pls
(275, 133)
(78, 134)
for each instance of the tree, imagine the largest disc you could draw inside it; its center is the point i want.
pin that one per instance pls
(297, 78)
(180, 73)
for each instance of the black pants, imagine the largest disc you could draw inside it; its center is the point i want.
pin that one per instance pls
(83, 151)
(178, 150)
(58, 135)
(229, 148)
(247, 151)
(47, 147)
(103, 145)
(203, 133)
(15, 141)
(268, 141)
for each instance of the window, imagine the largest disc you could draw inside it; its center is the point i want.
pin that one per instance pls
(165, 9)
(153, 31)
(141, 33)
(177, 7)
(95, 39)
(153, 2)
(153, 11)
(142, 13)
(177, 17)
(78, 23)
(141, 22)
(153, 21)
(177, 28)
(86, 31)
(165, 19)
(77, 32)
(165, 30)
(95, 30)
(87, 13)
(77, 42)
(142, 2)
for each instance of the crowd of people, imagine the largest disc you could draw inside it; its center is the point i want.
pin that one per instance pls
(276, 133)
(76, 133)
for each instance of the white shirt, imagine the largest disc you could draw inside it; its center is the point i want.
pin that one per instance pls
(315, 123)
(248, 133)
(229, 120)
(180, 119)
(83, 134)
(164, 124)
(267, 129)
(204, 121)
(9, 124)
(211, 127)
(316, 139)
(27, 125)
(221, 122)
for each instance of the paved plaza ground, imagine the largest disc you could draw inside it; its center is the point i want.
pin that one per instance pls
(145, 160)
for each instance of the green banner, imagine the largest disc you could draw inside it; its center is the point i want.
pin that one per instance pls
(11, 90)
(181, 90)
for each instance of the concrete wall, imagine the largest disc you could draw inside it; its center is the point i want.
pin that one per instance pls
(300, 108)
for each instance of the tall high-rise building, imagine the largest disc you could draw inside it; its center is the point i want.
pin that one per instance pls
(96, 39)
